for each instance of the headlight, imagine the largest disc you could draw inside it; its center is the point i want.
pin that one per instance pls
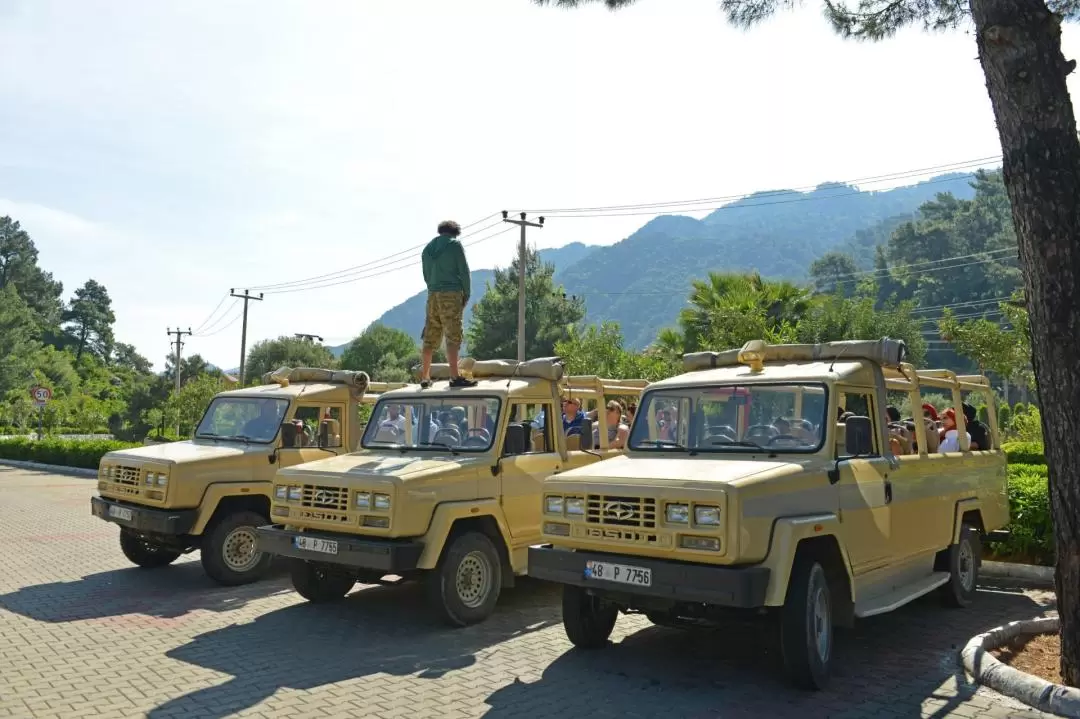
(707, 515)
(554, 505)
(677, 513)
(162, 480)
(382, 501)
(296, 494)
(150, 479)
(281, 492)
(575, 505)
(363, 500)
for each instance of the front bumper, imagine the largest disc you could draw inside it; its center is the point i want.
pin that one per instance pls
(390, 556)
(172, 522)
(740, 587)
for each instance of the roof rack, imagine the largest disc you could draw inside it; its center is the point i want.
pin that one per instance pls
(549, 368)
(906, 378)
(601, 385)
(886, 352)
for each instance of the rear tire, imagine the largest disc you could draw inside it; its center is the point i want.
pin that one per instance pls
(144, 553)
(464, 588)
(587, 620)
(319, 585)
(963, 559)
(230, 549)
(806, 630)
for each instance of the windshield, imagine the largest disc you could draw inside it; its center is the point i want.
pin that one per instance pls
(726, 418)
(248, 419)
(459, 423)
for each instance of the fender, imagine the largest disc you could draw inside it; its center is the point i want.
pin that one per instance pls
(443, 520)
(214, 493)
(962, 507)
(787, 533)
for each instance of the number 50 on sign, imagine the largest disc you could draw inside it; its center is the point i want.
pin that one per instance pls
(41, 395)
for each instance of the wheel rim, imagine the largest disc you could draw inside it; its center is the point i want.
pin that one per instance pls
(473, 579)
(966, 568)
(238, 549)
(820, 620)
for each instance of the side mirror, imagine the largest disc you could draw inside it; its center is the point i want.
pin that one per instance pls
(515, 440)
(859, 436)
(586, 434)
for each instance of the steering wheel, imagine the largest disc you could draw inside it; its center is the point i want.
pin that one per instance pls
(449, 437)
(761, 430)
(476, 441)
(785, 438)
(480, 432)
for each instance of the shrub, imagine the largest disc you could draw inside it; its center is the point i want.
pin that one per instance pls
(1031, 532)
(1004, 417)
(1024, 453)
(84, 453)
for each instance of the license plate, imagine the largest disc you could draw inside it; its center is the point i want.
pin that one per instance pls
(621, 573)
(314, 544)
(120, 512)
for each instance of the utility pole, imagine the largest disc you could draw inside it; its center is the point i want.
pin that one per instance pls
(522, 254)
(309, 338)
(243, 332)
(176, 367)
(179, 345)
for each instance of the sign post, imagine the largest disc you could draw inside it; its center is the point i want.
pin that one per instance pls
(41, 396)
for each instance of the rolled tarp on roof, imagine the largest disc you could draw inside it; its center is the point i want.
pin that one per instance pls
(549, 368)
(356, 381)
(886, 352)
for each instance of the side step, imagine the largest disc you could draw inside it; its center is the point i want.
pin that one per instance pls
(900, 596)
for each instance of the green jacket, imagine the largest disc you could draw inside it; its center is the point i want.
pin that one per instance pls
(445, 268)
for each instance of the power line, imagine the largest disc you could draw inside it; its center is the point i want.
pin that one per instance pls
(208, 330)
(199, 327)
(224, 327)
(776, 193)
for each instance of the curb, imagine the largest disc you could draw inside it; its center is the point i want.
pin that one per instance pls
(54, 468)
(1042, 576)
(1031, 690)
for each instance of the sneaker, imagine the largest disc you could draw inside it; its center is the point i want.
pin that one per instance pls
(425, 383)
(458, 382)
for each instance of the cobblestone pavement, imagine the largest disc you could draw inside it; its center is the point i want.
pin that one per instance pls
(83, 634)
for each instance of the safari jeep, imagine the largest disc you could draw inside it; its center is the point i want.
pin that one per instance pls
(445, 489)
(754, 498)
(211, 492)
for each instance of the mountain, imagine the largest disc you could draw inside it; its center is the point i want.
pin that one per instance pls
(409, 315)
(642, 281)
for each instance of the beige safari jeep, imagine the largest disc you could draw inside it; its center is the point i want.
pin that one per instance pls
(212, 491)
(446, 487)
(767, 481)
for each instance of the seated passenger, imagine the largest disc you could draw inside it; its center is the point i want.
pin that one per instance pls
(617, 431)
(980, 438)
(950, 440)
(572, 416)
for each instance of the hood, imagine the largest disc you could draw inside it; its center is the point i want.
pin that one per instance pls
(437, 246)
(677, 471)
(183, 452)
(387, 465)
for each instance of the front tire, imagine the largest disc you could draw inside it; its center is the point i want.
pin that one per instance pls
(145, 553)
(963, 560)
(230, 549)
(587, 620)
(806, 630)
(319, 585)
(465, 587)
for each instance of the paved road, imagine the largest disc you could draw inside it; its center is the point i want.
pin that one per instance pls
(82, 634)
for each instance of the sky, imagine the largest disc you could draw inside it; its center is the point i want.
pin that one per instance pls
(176, 149)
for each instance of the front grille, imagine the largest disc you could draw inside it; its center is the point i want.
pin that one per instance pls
(320, 497)
(616, 511)
(126, 475)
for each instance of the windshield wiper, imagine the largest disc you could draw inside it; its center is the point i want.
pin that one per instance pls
(438, 444)
(737, 443)
(663, 443)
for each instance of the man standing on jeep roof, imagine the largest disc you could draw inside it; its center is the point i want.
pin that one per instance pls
(446, 274)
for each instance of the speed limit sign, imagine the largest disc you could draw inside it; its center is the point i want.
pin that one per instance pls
(41, 396)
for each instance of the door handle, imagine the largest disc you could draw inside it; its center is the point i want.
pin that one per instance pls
(888, 491)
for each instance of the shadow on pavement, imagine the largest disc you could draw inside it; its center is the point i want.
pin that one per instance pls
(167, 592)
(887, 666)
(379, 630)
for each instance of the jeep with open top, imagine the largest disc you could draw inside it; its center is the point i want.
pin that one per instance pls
(446, 487)
(212, 491)
(778, 486)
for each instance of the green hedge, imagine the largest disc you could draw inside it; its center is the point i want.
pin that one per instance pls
(84, 453)
(1031, 529)
(1024, 453)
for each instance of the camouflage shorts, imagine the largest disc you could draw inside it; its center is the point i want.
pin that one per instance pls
(444, 317)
